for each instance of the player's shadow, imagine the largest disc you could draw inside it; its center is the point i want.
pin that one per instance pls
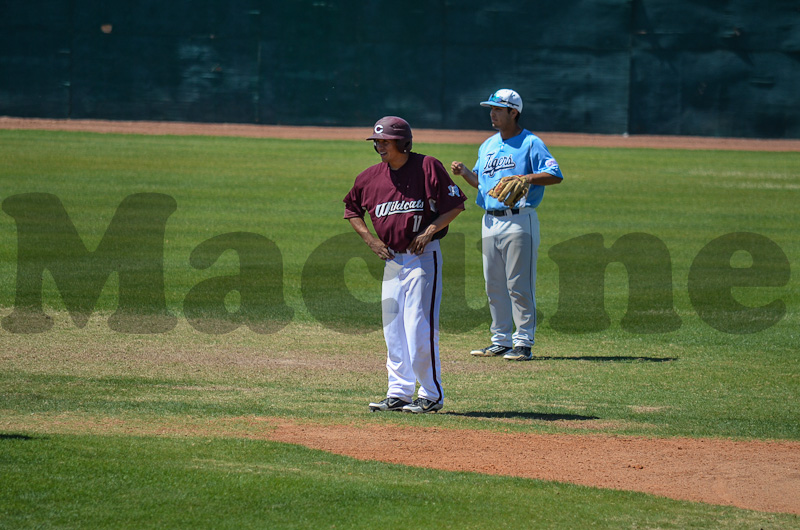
(606, 358)
(4, 436)
(522, 416)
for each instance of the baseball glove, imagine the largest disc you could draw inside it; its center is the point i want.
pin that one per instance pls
(510, 190)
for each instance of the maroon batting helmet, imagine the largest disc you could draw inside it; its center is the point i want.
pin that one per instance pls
(393, 128)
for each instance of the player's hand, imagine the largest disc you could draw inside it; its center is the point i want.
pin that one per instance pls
(419, 243)
(380, 249)
(457, 168)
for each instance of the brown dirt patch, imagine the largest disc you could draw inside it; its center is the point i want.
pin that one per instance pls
(755, 475)
(762, 476)
(420, 135)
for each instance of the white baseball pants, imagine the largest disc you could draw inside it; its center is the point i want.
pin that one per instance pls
(411, 294)
(510, 250)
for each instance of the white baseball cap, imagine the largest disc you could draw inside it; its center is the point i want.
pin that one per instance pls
(505, 97)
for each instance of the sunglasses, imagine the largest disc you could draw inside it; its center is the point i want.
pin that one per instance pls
(497, 99)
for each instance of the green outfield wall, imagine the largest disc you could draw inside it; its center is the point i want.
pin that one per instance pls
(709, 68)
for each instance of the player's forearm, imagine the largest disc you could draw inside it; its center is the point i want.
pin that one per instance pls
(419, 243)
(360, 226)
(541, 179)
(471, 178)
(442, 221)
(459, 168)
(373, 242)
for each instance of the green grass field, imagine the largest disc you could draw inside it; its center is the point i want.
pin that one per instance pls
(322, 360)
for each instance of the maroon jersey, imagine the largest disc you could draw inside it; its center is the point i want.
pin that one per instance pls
(404, 202)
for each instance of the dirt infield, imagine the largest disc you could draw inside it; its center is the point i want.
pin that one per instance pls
(755, 475)
(763, 476)
(420, 135)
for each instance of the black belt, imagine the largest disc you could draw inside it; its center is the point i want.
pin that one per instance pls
(501, 213)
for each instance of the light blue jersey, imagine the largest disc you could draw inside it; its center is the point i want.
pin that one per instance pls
(520, 155)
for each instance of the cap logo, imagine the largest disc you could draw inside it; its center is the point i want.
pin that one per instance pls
(497, 99)
(378, 128)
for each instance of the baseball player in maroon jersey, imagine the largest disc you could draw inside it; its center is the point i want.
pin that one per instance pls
(410, 199)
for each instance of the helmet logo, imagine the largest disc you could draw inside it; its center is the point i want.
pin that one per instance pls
(378, 128)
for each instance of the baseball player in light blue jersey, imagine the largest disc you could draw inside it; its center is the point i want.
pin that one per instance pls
(510, 232)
